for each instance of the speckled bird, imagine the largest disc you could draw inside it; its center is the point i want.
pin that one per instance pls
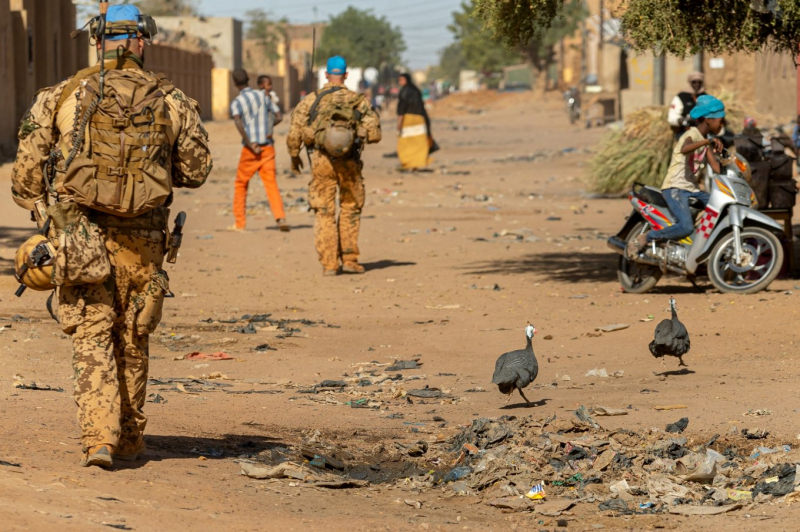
(517, 369)
(671, 338)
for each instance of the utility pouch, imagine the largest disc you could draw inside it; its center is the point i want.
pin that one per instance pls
(81, 257)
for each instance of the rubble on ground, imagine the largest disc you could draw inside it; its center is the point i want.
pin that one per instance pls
(550, 465)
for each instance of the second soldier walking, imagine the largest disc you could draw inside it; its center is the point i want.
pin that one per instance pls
(335, 123)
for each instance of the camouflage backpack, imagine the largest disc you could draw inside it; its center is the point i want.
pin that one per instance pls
(123, 166)
(333, 124)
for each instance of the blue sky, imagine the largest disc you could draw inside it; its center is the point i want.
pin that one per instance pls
(423, 22)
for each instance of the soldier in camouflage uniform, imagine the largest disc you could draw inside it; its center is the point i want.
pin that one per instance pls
(110, 322)
(334, 241)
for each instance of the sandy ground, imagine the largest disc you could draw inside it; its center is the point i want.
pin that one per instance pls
(449, 282)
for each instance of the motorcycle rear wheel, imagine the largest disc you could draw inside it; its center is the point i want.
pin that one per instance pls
(636, 278)
(765, 264)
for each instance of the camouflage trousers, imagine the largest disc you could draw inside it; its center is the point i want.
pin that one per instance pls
(110, 324)
(336, 240)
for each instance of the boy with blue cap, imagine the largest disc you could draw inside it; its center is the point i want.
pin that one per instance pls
(106, 155)
(334, 123)
(688, 158)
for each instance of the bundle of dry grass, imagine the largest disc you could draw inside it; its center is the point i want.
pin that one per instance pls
(640, 151)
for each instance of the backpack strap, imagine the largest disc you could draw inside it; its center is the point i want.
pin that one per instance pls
(312, 113)
(120, 63)
(164, 83)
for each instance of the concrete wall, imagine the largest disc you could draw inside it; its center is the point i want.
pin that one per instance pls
(224, 36)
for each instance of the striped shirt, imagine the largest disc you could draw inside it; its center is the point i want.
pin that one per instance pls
(258, 115)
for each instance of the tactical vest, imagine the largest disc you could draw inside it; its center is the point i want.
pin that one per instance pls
(121, 165)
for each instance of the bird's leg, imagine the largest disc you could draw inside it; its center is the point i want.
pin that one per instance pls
(523, 396)
(509, 396)
(663, 364)
(680, 362)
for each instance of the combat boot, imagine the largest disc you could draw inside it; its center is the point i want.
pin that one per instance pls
(131, 457)
(99, 455)
(352, 267)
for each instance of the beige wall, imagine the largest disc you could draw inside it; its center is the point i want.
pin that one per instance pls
(765, 84)
(222, 93)
(776, 85)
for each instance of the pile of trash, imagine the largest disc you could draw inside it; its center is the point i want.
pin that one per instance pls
(550, 465)
(514, 464)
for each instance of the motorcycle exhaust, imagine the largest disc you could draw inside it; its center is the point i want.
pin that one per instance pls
(618, 245)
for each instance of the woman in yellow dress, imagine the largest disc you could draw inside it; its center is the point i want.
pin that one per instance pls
(414, 140)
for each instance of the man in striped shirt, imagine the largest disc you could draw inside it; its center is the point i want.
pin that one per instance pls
(254, 115)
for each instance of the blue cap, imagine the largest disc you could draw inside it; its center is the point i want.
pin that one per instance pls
(708, 107)
(122, 13)
(337, 65)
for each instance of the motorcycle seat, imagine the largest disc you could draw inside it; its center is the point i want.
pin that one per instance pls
(655, 197)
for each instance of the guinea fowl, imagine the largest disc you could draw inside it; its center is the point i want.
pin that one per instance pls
(671, 338)
(517, 369)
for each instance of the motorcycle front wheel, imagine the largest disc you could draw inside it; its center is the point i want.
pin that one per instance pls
(636, 278)
(764, 261)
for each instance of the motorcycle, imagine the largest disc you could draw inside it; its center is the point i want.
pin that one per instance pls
(737, 245)
(573, 99)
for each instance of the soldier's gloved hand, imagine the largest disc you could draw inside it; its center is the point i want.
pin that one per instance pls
(297, 164)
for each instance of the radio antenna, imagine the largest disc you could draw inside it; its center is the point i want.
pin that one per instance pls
(101, 29)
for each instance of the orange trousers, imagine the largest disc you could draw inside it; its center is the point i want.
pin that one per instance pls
(249, 164)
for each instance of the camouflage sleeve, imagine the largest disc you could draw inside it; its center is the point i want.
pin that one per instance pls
(36, 140)
(191, 157)
(370, 121)
(299, 122)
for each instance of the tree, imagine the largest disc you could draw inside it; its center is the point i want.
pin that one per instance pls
(680, 27)
(716, 26)
(481, 50)
(269, 34)
(540, 50)
(451, 63)
(168, 8)
(519, 21)
(363, 39)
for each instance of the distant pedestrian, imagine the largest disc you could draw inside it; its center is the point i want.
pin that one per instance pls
(254, 116)
(414, 140)
(264, 83)
(683, 103)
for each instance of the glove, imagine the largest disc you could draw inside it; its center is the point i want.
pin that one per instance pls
(297, 164)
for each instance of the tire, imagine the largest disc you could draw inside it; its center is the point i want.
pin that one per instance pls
(636, 278)
(763, 268)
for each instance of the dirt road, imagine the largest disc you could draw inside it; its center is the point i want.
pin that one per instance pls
(458, 261)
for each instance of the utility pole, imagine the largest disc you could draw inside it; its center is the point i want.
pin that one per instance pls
(659, 75)
(600, 65)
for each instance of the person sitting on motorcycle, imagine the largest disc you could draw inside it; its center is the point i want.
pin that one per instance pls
(681, 182)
